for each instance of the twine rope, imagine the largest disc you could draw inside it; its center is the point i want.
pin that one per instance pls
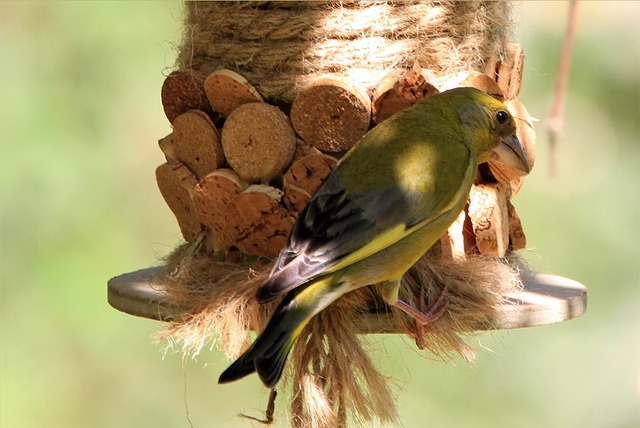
(280, 47)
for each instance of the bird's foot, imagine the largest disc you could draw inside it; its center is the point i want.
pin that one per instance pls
(268, 414)
(424, 314)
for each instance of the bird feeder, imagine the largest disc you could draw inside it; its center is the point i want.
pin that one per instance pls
(265, 98)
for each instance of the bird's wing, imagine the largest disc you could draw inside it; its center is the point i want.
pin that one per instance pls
(338, 228)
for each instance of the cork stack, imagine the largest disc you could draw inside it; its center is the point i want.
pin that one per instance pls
(241, 168)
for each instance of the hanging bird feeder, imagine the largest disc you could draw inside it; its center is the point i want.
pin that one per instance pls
(265, 99)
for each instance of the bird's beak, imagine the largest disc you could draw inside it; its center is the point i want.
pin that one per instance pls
(510, 153)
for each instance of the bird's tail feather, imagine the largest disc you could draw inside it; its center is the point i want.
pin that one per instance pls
(269, 352)
(240, 368)
(270, 365)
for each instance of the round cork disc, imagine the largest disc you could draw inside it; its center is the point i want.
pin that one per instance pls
(227, 90)
(212, 195)
(176, 183)
(331, 114)
(258, 142)
(196, 143)
(182, 91)
(394, 95)
(304, 177)
(256, 223)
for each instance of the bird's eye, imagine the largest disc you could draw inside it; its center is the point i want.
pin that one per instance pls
(502, 117)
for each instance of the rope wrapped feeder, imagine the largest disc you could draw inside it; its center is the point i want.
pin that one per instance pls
(265, 98)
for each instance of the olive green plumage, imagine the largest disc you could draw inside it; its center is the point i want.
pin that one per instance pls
(389, 199)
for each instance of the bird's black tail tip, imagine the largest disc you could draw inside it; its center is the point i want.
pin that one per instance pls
(239, 369)
(270, 369)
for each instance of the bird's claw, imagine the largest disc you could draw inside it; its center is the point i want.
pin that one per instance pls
(429, 314)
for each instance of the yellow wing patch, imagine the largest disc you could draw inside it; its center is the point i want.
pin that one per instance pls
(380, 242)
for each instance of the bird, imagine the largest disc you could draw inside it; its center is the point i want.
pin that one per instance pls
(386, 202)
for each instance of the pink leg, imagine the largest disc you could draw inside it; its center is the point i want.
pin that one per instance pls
(425, 315)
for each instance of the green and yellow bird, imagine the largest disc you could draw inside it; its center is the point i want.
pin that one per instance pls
(388, 200)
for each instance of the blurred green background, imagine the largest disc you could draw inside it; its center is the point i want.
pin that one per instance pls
(80, 117)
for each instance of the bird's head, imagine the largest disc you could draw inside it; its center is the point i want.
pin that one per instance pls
(490, 129)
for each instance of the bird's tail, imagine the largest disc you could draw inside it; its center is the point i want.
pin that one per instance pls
(269, 352)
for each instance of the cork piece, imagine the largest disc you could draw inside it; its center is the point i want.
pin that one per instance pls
(182, 91)
(258, 141)
(213, 246)
(167, 147)
(450, 81)
(303, 179)
(491, 68)
(484, 83)
(176, 183)
(452, 242)
(509, 76)
(489, 218)
(331, 114)
(514, 186)
(257, 223)
(517, 238)
(459, 241)
(393, 95)
(212, 195)
(468, 234)
(196, 143)
(304, 149)
(473, 79)
(384, 99)
(227, 90)
(527, 136)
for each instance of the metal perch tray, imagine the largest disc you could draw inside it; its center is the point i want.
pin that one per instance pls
(545, 299)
